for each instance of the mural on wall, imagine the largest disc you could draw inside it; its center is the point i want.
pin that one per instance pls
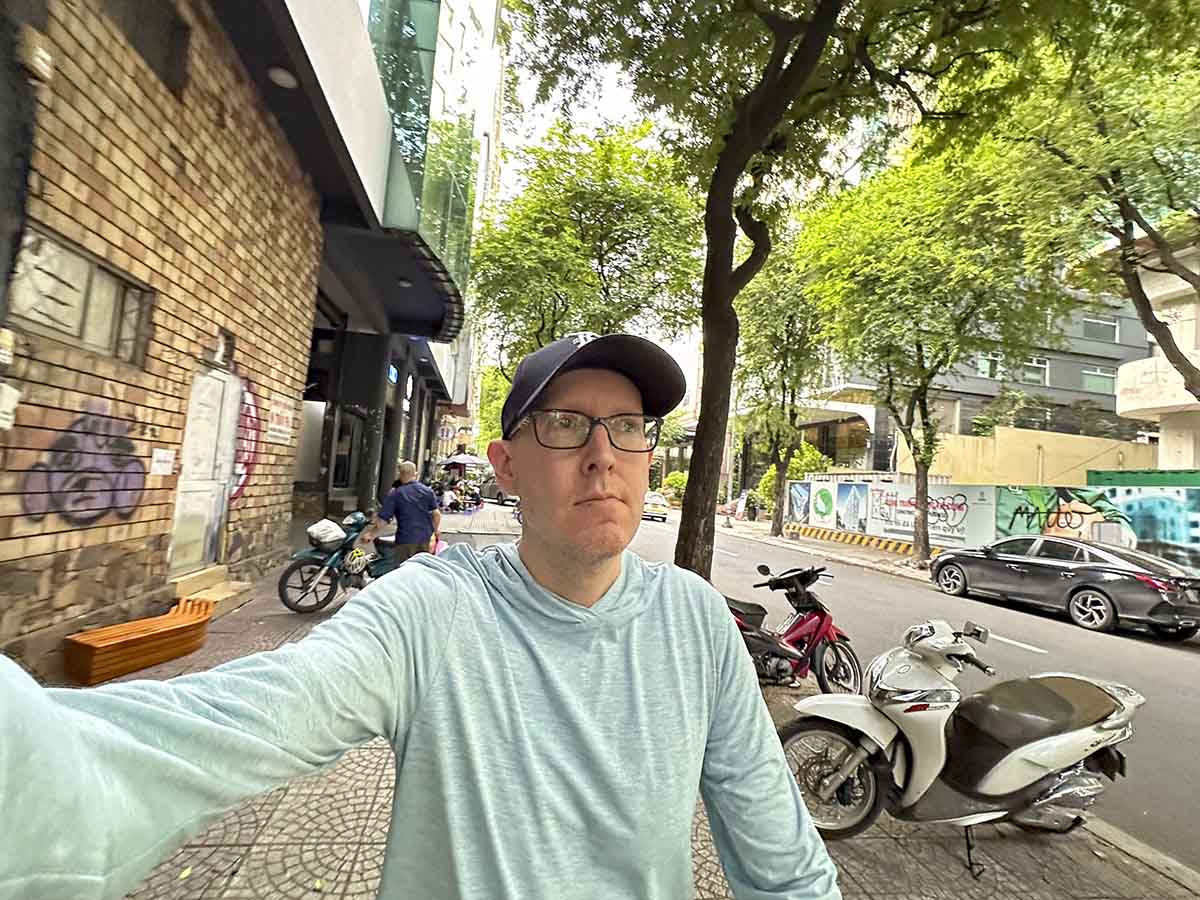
(249, 439)
(90, 472)
(958, 515)
(852, 507)
(1164, 521)
(821, 510)
(799, 493)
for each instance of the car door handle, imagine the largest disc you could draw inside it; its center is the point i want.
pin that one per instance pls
(1066, 574)
(1015, 568)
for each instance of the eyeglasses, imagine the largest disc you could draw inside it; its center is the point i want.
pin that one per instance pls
(567, 429)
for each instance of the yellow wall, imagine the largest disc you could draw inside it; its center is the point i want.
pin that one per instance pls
(1023, 456)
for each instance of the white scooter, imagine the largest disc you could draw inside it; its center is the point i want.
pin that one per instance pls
(1030, 751)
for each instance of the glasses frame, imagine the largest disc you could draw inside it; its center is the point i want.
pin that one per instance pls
(593, 421)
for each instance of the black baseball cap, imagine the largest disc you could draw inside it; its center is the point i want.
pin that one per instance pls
(656, 375)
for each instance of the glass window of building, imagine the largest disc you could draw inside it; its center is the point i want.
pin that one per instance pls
(988, 365)
(1099, 327)
(1035, 370)
(1100, 379)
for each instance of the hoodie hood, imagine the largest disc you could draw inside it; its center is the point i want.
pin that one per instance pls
(502, 571)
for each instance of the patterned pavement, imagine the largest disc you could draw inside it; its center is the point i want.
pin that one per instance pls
(323, 836)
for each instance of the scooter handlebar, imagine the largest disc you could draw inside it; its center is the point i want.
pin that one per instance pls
(976, 662)
(779, 581)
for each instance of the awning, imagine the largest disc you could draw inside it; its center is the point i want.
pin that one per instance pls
(392, 271)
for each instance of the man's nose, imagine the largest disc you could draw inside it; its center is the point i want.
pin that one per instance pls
(598, 452)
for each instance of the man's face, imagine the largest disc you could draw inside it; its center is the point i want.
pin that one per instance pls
(587, 501)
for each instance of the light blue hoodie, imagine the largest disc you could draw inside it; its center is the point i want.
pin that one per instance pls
(545, 750)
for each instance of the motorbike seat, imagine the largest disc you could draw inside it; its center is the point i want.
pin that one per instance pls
(750, 613)
(989, 725)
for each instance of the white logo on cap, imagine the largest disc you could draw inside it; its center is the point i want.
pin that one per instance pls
(581, 338)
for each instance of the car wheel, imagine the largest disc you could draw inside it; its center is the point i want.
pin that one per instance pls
(952, 580)
(1091, 609)
(1174, 633)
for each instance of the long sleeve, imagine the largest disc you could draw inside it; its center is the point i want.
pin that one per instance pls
(768, 846)
(98, 785)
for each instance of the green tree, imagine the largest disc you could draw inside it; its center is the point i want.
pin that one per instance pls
(779, 360)
(604, 237)
(493, 389)
(1107, 142)
(676, 482)
(918, 270)
(763, 95)
(807, 459)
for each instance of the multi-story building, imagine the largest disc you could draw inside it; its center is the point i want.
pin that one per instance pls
(232, 282)
(847, 426)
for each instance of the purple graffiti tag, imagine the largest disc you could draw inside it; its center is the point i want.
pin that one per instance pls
(91, 471)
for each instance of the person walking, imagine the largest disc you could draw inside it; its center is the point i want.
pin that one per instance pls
(414, 506)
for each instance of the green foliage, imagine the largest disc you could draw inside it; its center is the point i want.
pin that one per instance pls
(673, 431)
(493, 389)
(604, 237)
(676, 482)
(806, 460)
(921, 268)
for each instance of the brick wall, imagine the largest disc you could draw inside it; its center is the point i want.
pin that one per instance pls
(199, 198)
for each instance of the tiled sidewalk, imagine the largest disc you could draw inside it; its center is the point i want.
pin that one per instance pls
(323, 837)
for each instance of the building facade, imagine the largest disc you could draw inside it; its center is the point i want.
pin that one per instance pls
(1073, 383)
(1152, 388)
(220, 283)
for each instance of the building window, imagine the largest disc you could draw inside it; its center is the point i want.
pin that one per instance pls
(1100, 327)
(1035, 370)
(63, 294)
(158, 33)
(988, 365)
(1100, 379)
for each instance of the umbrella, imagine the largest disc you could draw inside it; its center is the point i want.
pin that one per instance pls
(464, 459)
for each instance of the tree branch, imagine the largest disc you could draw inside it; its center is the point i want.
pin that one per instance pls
(1166, 253)
(760, 234)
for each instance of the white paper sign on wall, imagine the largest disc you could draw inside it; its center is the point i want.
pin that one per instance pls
(162, 461)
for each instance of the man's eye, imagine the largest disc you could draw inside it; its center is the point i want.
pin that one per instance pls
(566, 423)
(629, 426)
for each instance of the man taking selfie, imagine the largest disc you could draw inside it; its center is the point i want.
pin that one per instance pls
(555, 705)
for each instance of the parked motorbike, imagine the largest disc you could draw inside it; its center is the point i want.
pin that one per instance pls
(330, 565)
(807, 641)
(1031, 751)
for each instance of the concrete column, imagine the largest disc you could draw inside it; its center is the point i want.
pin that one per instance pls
(1179, 441)
(365, 385)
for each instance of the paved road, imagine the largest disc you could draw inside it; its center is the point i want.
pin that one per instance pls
(1156, 804)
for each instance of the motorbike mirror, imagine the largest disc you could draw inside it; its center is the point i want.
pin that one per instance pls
(977, 633)
(763, 570)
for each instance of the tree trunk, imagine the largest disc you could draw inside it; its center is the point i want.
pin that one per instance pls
(921, 517)
(780, 502)
(697, 528)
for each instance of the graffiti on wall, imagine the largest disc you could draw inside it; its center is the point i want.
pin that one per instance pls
(90, 472)
(958, 515)
(1164, 521)
(249, 439)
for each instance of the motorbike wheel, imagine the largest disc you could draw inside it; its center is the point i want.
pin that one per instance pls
(298, 592)
(814, 749)
(837, 668)
(1174, 635)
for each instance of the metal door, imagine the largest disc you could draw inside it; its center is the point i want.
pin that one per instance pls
(206, 470)
(1001, 571)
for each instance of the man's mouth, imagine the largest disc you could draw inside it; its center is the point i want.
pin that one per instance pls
(597, 498)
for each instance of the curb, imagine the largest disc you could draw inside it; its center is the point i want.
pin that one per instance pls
(889, 545)
(1165, 865)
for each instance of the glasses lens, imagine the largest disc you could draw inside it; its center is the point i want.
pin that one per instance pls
(634, 433)
(561, 430)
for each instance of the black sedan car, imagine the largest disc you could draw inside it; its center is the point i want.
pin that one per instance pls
(1097, 585)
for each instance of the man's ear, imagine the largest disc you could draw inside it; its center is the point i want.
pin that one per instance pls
(499, 454)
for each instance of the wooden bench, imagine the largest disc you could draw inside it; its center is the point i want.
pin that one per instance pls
(113, 650)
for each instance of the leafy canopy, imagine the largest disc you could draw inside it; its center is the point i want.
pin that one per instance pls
(603, 237)
(493, 389)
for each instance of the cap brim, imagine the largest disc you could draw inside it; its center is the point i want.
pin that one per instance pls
(652, 370)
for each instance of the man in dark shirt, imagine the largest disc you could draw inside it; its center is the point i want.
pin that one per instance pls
(415, 509)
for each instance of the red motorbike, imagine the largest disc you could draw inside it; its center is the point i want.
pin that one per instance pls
(807, 641)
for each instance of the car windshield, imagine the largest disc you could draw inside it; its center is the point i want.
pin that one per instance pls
(1155, 565)
(655, 498)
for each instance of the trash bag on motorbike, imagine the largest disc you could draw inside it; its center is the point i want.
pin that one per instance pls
(326, 535)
